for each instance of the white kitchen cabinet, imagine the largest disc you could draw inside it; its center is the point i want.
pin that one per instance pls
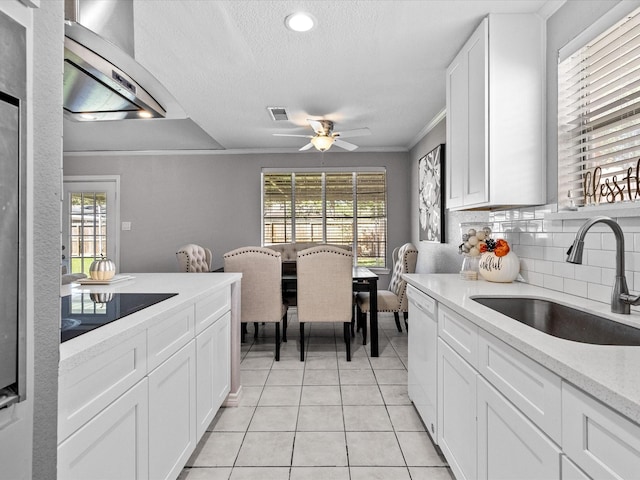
(423, 353)
(113, 444)
(457, 412)
(570, 470)
(495, 115)
(172, 414)
(213, 370)
(509, 445)
(600, 441)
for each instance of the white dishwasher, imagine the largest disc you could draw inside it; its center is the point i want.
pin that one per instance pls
(423, 344)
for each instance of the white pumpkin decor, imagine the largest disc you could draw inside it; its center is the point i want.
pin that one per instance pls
(102, 269)
(498, 263)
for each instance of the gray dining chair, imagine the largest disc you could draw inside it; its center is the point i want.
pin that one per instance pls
(325, 285)
(394, 299)
(261, 287)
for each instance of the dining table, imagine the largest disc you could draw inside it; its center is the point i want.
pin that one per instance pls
(364, 280)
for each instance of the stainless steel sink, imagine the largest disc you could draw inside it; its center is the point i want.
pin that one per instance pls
(562, 321)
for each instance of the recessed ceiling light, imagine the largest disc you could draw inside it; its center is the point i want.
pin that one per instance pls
(300, 22)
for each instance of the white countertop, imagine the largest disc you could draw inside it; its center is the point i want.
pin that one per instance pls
(189, 287)
(609, 373)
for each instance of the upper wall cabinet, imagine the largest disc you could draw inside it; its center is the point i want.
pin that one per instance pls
(495, 116)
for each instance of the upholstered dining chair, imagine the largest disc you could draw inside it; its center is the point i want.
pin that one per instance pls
(193, 258)
(325, 285)
(261, 287)
(395, 298)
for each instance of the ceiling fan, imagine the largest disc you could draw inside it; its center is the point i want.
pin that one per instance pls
(325, 137)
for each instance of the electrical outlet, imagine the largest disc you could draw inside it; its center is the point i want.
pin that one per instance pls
(126, 226)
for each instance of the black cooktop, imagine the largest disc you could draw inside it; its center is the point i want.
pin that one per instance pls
(83, 311)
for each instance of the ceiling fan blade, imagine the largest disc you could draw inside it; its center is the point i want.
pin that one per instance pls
(317, 126)
(306, 147)
(360, 132)
(346, 145)
(290, 135)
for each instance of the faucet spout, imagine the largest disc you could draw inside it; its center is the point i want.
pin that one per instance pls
(620, 293)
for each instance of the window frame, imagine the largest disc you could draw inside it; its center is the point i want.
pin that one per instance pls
(324, 171)
(566, 168)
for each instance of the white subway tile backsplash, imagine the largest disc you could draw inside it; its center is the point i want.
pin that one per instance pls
(599, 292)
(588, 274)
(544, 266)
(575, 287)
(555, 254)
(553, 283)
(564, 269)
(630, 224)
(542, 243)
(608, 277)
(600, 258)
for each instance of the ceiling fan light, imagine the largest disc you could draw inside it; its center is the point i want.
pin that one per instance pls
(322, 142)
(300, 22)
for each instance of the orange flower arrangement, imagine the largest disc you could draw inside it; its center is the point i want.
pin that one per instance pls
(499, 247)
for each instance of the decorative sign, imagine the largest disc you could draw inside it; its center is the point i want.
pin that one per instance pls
(611, 189)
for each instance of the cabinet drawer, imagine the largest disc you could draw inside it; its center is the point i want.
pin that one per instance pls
(532, 388)
(165, 337)
(212, 308)
(422, 301)
(459, 333)
(570, 471)
(90, 387)
(600, 441)
(112, 445)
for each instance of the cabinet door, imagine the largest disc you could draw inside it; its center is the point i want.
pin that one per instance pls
(172, 414)
(457, 78)
(509, 445)
(467, 122)
(111, 445)
(423, 345)
(213, 371)
(599, 440)
(477, 173)
(457, 412)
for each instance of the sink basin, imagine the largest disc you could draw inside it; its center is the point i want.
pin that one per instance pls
(562, 321)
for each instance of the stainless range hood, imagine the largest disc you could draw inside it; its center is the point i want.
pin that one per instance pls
(101, 77)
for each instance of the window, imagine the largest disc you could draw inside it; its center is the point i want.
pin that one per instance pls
(337, 207)
(599, 118)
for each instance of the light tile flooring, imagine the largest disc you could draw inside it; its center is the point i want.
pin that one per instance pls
(325, 418)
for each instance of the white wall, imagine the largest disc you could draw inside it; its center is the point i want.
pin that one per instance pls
(28, 431)
(215, 200)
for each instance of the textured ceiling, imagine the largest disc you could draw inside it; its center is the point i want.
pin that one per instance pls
(375, 64)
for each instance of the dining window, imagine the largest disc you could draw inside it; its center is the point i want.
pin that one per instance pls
(332, 206)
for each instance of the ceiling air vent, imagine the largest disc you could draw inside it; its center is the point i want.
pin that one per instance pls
(278, 113)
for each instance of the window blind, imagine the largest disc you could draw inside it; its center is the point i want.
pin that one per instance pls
(599, 118)
(337, 207)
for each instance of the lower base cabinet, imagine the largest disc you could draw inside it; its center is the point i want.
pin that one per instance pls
(113, 444)
(509, 445)
(457, 412)
(213, 371)
(172, 414)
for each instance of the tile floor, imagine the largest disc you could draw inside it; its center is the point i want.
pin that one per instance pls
(325, 418)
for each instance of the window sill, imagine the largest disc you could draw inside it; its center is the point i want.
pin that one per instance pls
(619, 210)
(380, 270)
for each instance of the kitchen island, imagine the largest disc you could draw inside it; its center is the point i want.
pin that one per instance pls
(136, 394)
(501, 398)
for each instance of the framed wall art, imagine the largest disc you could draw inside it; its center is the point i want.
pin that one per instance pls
(431, 195)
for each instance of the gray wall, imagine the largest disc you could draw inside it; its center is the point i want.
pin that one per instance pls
(436, 257)
(47, 168)
(215, 200)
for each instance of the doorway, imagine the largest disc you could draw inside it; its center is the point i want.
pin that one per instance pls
(91, 214)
